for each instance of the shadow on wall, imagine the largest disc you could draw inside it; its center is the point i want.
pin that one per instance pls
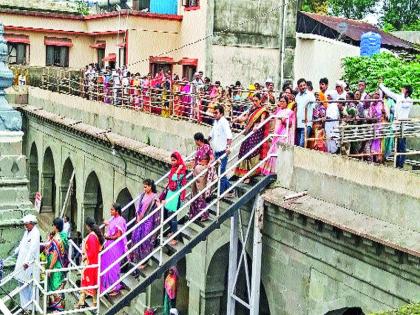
(347, 311)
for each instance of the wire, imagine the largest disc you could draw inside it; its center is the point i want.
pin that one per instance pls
(278, 6)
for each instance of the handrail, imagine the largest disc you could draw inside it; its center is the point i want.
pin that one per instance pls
(192, 220)
(189, 157)
(214, 163)
(183, 207)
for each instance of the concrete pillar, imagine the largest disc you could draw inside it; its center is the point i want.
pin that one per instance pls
(33, 179)
(47, 192)
(63, 193)
(14, 194)
(211, 300)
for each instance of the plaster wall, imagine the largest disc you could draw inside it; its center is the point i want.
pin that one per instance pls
(318, 57)
(195, 26)
(247, 65)
(41, 22)
(385, 193)
(79, 54)
(248, 41)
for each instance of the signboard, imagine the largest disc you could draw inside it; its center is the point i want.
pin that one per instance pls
(37, 201)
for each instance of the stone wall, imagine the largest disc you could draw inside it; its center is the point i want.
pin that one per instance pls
(250, 33)
(309, 266)
(382, 192)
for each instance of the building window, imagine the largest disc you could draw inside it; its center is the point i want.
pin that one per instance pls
(161, 63)
(157, 67)
(101, 55)
(57, 56)
(188, 71)
(191, 4)
(121, 59)
(17, 53)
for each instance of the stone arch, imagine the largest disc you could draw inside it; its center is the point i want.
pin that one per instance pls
(48, 182)
(92, 199)
(123, 198)
(346, 311)
(71, 208)
(217, 285)
(182, 289)
(33, 171)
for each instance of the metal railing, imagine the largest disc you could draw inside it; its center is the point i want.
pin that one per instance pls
(362, 129)
(171, 102)
(160, 229)
(40, 292)
(40, 287)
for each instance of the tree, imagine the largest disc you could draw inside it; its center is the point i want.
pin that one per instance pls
(394, 71)
(401, 15)
(316, 6)
(352, 9)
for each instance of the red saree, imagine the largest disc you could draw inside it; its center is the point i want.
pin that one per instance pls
(91, 249)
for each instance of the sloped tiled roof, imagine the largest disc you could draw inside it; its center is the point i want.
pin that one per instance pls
(355, 29)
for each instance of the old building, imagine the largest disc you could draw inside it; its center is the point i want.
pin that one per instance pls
(227, 40)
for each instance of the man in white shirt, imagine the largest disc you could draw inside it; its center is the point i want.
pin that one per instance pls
(221, 140)
(66, 226)
(340, 90)
(305, 103)
(361, 87)
(403, 105)
(27, 261)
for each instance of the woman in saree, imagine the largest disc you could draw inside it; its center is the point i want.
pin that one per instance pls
(284, 130)
(173, 196)
(91, 247)
(113, 250)
(256, 115)
(55, 251)
(170, 284)
(145, 206)
(376, 113)
(145, 92)
(186, 98)
(204, 156)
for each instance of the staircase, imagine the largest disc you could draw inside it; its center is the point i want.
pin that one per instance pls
(191, 236)
(190, 232)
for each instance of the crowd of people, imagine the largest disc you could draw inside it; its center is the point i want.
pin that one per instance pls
(313, 115)
(299, 116)
(167, 95)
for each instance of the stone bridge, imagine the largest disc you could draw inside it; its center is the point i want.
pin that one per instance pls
(354, 240)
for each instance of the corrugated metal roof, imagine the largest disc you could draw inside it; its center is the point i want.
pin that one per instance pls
(355, 29)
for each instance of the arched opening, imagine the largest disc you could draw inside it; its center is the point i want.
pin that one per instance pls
(217, 285)
(33, 172)
(48, 182)
(71, 203)
(124, 198)
(92, 199)
(346, 311)
(183, 289)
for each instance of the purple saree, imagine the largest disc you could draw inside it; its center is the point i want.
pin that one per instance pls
(111, 255)
(143, 208)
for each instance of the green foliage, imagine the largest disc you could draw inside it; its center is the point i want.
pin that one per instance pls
(352, 9)
(394, 72)
(412, 309)
(82, 7)
(316, 6)
(401, 15)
